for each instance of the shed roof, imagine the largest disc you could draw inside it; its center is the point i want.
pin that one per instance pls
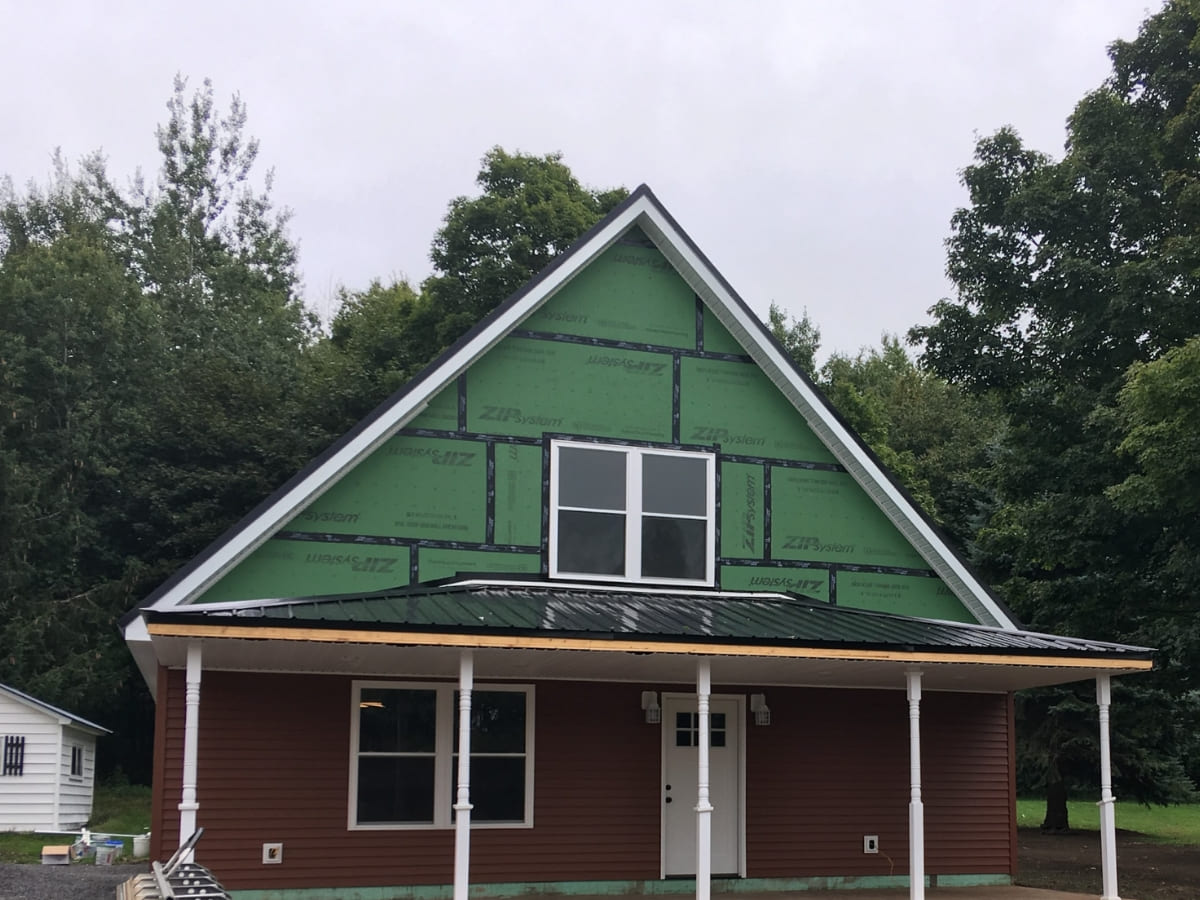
(56, 712)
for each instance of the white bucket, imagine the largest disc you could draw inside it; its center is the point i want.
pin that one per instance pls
(141, 845)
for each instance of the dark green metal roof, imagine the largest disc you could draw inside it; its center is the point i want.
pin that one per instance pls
(598, 612)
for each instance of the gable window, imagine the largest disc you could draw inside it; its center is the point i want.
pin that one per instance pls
(632, 513)
(76, 761)
(14, 755)
(404, 769)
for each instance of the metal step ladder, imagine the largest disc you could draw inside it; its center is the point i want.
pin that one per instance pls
(174, 879)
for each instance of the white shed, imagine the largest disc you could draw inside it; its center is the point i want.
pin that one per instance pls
(48, 767)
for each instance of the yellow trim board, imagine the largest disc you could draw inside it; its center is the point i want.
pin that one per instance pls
(624, 645)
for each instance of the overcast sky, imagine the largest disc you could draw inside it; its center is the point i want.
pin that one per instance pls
(810, 148)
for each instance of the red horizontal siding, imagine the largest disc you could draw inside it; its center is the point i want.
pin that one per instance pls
(274, 766)
(833, 767)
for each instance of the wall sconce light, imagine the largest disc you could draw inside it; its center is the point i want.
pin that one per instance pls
(650, 705)
(758, 706)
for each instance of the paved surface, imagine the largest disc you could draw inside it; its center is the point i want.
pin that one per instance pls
(80, 881)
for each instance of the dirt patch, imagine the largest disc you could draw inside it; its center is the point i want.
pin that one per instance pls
(1071, 862)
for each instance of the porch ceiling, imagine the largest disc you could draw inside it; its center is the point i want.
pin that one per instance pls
(664, 667)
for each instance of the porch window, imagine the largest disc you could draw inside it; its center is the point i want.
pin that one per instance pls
(632, 513)
(405, 749)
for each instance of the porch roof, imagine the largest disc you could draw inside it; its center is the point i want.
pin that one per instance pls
(589, 612)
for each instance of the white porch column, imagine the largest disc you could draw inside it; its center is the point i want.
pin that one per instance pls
(462, 804)
(703, 806)
(916, 809)
(1108, 827)
(191, 742)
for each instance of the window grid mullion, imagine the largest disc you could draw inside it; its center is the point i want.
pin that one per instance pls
(443, 755)
(633, 520)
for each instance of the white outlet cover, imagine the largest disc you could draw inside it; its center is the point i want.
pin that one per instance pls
(272, 854)
(870, 843)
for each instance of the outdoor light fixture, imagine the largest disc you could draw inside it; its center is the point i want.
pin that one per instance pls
(758, 706)
(650, 705)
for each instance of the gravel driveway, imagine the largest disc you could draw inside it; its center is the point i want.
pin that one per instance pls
(81, 881)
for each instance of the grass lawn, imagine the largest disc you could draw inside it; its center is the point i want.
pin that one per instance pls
(123, 809)
(1178, 824)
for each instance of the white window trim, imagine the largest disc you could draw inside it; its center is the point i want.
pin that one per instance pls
(633, 512)
(443, 764)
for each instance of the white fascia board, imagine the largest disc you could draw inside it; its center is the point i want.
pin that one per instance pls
(137, 639)
(325, 476)
(733, 315)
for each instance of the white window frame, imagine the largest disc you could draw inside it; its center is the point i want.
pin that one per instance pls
(633, 513)
(444, 756)
(77, 753)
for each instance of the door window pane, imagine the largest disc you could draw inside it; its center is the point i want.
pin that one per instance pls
(683, 730)
(716, 730)
(687, 729)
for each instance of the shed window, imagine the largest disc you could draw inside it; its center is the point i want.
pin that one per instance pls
(632, 513)
(14, 755)
(406, 755)
(76, 761)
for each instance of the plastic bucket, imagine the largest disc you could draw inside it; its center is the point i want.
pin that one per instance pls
(141, 845)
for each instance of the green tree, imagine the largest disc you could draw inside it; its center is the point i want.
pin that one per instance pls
(1158, 417)
(800, 338)
(378, 339)
(214, 257)
(1067, 273)
(937, 439)
(151, 349)
(77, 341)
(532, 208)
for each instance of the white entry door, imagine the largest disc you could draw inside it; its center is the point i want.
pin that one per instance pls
(680, 769)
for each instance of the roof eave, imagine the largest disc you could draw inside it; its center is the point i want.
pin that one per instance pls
(199, 626)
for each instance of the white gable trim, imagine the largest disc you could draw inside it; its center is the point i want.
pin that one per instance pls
(643, 210)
